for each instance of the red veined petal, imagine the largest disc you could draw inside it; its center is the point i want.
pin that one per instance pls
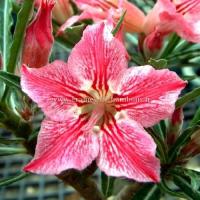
(126, 150)
(63, 145)
(98, 57)
(53, 88)
(149, 95)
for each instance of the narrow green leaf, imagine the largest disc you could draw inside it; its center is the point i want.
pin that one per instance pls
(186, 187)
(5, 151)
(148, 192)
(188, 97)
(10, 80)
(22, 22)
(2, 116)
(164, 187)
(8, 181)
(157, 129)
(119, 23)
(104, 181)
(161, 146)
(189, 78)
(182, 139)
(107, 184)
(11, 141)
(196, 118)
(5, 32)
(173, 42)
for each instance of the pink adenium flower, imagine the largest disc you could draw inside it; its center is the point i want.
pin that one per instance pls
(96, 109)
(99, 10)
(167, 16)
(39, 39)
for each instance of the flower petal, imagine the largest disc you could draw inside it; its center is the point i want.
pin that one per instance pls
(149, 95)
(152, 19)
(63, 145)
(187, 28)
(89, 13)
(126, 150)
(98, 57)
(53, 88)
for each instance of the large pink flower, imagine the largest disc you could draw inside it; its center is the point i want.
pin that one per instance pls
(180, 16)
(96, 108)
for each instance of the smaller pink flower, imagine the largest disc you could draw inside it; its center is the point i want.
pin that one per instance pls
(99, 10)
(182, 17)
(96, 108)
(39, 39)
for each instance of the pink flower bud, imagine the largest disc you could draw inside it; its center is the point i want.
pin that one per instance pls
(61, 11)
(175, 126)
(39, 39)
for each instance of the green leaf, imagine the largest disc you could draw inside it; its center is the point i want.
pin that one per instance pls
(186, 187)
(148, 192)
(22, 22)
(5, 29)
(11, 141)
(161, 146)
(182, 139)
(196, 118)
(119, 23)
(164, 187)
(189, 78)
(8, 181)
(74, 33)
(107, 184)
(5, 151)
(158, 64)
(173, 42)
(188, 97)
(2, 116)
(10, 80)
(70, 37)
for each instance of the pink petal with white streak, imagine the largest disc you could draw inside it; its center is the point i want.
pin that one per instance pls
(89, 13)
(126, 150)
(187, 28)
(151, 94)
(52, 87)
(63, 145)
(98, 57)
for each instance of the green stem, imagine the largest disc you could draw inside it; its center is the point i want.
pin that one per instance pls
(22, 21)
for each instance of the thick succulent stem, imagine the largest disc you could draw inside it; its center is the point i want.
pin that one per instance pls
(85, 185)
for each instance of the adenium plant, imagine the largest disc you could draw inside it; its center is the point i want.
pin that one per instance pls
(115, 105)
